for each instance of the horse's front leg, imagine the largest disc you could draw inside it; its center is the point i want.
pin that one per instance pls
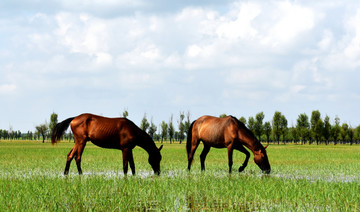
(230, 156)
(131, 161)
(242, 149)
(125, 154)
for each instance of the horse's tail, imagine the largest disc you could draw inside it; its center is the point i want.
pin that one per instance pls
(189, 139)
(59, 130)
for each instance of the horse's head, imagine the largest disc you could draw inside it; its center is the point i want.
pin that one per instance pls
(154, 160)
(261, 159)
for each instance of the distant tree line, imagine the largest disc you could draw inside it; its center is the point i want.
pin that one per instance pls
(306, 130)
(166, 130)
(42, 132)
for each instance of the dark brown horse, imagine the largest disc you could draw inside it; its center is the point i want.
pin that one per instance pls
(113, 133)
(228, 133)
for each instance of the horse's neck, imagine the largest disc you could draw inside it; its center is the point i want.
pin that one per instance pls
(147, 144)
(254, 146)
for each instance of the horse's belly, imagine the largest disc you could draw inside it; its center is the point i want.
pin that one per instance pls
(106, 144)
(214, 143)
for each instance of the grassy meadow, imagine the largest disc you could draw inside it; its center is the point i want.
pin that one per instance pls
(303, 178)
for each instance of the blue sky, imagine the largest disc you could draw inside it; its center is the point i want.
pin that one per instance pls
(160, 58)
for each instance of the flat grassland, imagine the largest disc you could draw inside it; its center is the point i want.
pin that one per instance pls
(303, 178)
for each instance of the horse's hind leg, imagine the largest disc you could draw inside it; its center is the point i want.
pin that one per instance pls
(203, 156)
(69, 158)
(242, 149)
(80, 150)
(192, 152)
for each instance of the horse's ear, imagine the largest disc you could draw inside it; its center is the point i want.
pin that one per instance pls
(266, 146)
(160, 147)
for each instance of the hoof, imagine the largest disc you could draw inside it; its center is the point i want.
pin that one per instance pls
(241, 168)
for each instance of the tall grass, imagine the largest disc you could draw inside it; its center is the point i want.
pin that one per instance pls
(319, 178)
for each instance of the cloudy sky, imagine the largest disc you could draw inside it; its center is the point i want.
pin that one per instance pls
(160, 58)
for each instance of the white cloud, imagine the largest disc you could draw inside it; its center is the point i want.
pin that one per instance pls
(7, 89)
(327, 40)
(239, 23)
(287, 21)
(246, 51)
(82, 33)
(352, 51)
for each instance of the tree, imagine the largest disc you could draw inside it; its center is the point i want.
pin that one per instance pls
(351, 133)
(303, 127)
(164, 130)
(152, 129)
(294, 133)
(335, 130)
(42, 130)
(276, 124)
(171, 129)
(53, 122)
(11, 133)
(283, 127)
(242, 119)
(344, 132)
(125, 113)
(357, 134)
(267, 131)
(187, 123)
(316, 129)
(144, 123)
(251, 123)
(181, 126)
(327, 129)
(222, 115)
(258, 125)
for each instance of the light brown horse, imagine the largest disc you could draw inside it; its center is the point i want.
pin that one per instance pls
(113, 133)
(227, 132)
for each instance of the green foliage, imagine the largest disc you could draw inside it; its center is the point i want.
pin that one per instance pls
(53, 122)
(222, 115)
(303, 127)
(242, 119)
(42, 130)
(258, 125)
(164, 130)
(144, 125)
(181, 126)
(318, 129)
(267, 130)
(171, 129)
(152, 129)
(276, 125)
(125, 114)
(251, 123)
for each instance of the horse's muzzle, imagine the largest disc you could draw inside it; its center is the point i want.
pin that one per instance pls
(267, 171)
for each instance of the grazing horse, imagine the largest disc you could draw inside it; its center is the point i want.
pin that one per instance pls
(227, 132)
(112, 133)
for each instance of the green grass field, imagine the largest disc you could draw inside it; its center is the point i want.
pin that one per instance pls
(303, 178)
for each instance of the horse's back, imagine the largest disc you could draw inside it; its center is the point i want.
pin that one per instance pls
(105, 132)
(214, 131)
